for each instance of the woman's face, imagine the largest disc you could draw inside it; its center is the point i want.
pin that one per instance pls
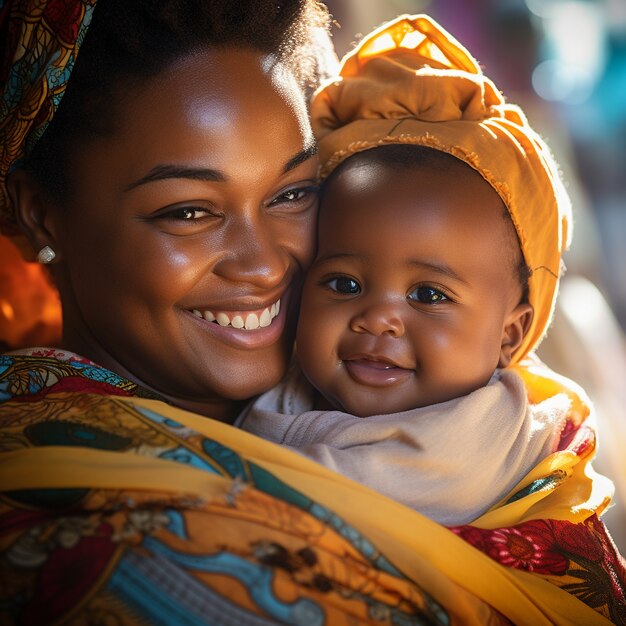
(188, 230)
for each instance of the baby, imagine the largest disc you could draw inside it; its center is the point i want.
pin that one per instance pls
(442, 223)
(419, 290)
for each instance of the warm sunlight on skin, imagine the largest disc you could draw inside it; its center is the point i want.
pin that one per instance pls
(413, 298)
(206, 200)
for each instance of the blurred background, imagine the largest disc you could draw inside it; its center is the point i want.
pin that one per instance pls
(564, 63)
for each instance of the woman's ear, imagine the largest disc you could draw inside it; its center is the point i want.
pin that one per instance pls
(516, 326)
(34, 215)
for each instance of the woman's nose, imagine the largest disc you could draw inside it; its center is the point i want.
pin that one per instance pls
(378, 319)
(252, 255)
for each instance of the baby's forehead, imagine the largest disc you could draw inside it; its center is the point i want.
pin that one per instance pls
(401, 190)
(400, 164)
(404, 159)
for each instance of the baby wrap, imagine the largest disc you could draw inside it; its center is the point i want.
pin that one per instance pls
(450, 461)
(411, 82)
(117, 508)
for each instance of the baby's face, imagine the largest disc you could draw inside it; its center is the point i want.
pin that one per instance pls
(413, 291)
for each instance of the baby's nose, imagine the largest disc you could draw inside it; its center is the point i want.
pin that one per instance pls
(379, 319)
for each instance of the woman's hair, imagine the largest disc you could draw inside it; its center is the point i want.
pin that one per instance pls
(133, 40)
(412, 156)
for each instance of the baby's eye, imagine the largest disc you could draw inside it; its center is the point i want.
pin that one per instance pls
(427, 295)
(344, 285)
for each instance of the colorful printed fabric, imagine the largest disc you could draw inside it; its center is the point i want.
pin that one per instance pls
(40, 41)
(117, 508)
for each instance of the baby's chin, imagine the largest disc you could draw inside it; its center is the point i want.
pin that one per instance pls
(363, 407)
(370, 404)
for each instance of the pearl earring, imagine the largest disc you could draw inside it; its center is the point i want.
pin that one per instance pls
(46, 255)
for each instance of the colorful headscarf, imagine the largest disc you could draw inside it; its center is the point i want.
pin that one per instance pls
(40, 41)
(411, 82)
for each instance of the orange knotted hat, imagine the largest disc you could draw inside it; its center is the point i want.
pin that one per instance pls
(410, 81)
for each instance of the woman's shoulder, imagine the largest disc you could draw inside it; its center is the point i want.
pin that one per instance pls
(35, 373)
(47, 352)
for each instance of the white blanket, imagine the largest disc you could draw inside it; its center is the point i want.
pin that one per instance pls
(450, 461)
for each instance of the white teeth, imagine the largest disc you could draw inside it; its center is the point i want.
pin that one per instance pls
(266, 318)
(237, 322)
(222, 319)
(252, 321)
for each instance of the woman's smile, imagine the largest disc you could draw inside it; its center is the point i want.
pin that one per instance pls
(209, 229)
(244, 328)
(248, 320)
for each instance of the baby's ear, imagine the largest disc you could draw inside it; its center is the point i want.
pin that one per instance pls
(515, 328)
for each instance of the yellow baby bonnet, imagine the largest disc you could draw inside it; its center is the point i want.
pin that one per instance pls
(411, 82)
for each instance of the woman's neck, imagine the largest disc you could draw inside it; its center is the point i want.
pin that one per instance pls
(220, 409)
(217, 408)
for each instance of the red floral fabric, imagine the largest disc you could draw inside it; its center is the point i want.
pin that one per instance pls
(579, 558)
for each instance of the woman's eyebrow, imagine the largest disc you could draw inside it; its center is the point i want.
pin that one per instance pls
(301, 157)
(162, 172)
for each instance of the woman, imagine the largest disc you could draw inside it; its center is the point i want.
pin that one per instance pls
(153, 189)
(173, 197)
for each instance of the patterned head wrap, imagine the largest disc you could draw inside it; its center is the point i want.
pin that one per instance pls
(411, 82)
(40, 41)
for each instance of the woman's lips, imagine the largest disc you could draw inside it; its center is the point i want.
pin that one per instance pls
(248, 320)
(249, 329)
(375, 372)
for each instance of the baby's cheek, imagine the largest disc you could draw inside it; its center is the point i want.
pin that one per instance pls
(315, 345)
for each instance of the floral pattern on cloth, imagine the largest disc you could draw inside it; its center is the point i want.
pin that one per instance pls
(128, 555)
(125, 557)
(35, 373)
(580, 558)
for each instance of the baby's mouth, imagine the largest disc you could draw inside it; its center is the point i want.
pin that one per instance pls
(376, 371)
(242, 320)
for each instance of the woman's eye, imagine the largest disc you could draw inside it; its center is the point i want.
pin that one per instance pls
(186, 214)
(344, 285)
(291, 196)
(184, 220)
(427, 295)
(295, 195)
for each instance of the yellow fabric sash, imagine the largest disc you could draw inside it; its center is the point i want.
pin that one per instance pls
(447, 567)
